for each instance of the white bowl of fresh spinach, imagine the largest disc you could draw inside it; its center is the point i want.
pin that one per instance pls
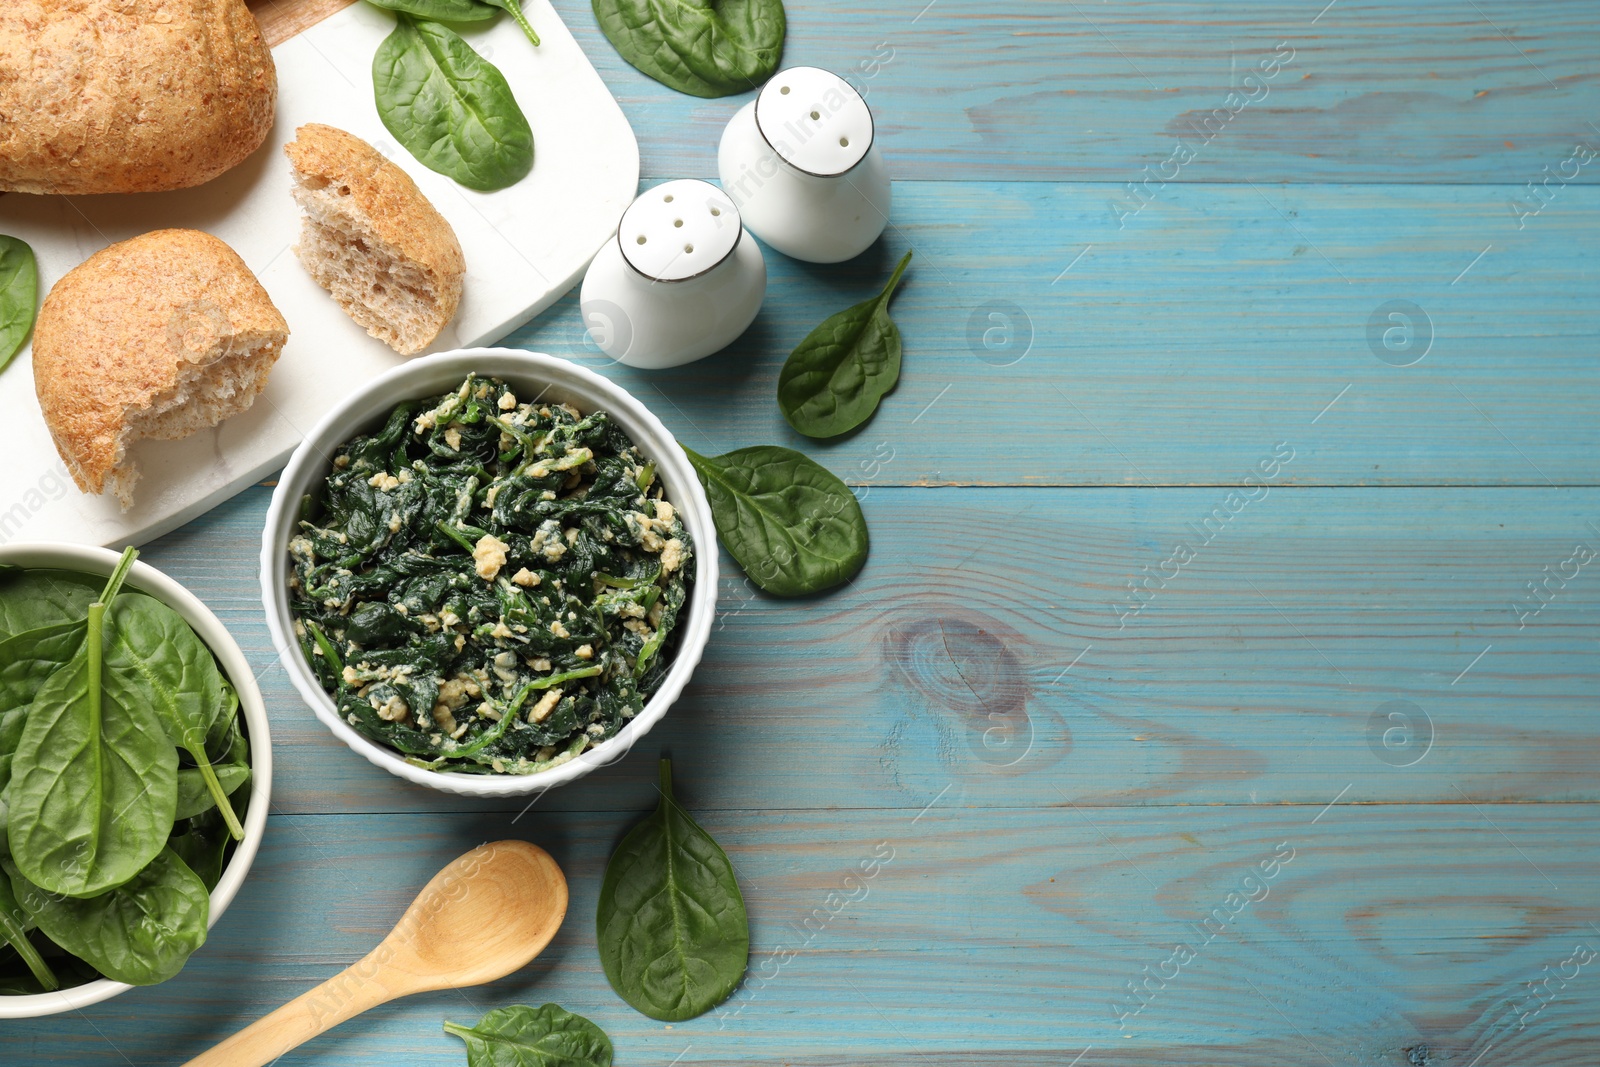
(134, 781)
(489, 572)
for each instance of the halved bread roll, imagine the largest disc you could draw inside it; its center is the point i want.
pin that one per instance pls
(158, 336)
(373, 240)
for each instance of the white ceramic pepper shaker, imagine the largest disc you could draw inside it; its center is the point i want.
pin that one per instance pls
(801, 163)
(682, 279)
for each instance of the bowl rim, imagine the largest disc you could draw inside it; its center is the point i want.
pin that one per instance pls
(310, 461)
(147, 579)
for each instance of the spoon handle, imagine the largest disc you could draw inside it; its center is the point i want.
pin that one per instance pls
(344, 996)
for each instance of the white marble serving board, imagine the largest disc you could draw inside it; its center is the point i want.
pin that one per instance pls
(525, 246)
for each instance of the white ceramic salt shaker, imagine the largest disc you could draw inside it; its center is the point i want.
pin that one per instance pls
(801, 163)
(682, 279)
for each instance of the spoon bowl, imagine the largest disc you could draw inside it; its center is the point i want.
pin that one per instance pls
(485, 915)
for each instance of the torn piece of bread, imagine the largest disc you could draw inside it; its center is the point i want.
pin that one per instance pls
(373, 240)
(158, 336)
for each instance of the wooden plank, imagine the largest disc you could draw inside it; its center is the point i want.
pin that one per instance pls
(282, 19)
(981, 937)
(980, 659)
(1366, 92)
(1046, 345)
(1374, 92)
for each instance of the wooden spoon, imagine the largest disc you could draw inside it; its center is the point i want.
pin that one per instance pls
(484, 916)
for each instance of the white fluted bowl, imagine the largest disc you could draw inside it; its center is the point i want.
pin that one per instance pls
(531, 374)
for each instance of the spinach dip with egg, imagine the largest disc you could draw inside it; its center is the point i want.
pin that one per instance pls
(489, 585)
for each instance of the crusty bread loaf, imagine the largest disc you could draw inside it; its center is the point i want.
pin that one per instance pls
(373, 240)
(158, 336)
(127, 96)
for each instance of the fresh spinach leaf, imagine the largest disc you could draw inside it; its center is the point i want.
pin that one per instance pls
(203, 842)
(93, 779)
(520, 1036)
(11, 722)
(14, 927)
(29, 659)
(229, 748)
(832, 382)
(231, 695)
(202, 839)
(672, 930)
(793, 526)
(17, 981)
(230, 760)
(31, 599)
(443, 10)
(194, 791)
(461, 11)
(700, 47)
(141, 932)
(514, 7)
(19, 295)
(450, 107)
(154, 658)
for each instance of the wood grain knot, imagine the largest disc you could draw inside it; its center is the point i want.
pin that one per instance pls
(962, 666)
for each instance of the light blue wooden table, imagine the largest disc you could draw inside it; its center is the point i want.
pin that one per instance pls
(1223, 685)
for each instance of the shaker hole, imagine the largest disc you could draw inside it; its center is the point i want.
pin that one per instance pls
(784, 90)
(816, 115)
(716, 211)
(844, 142)
(639, 240)
(667, 199)
(677, 222)
(688, 248)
